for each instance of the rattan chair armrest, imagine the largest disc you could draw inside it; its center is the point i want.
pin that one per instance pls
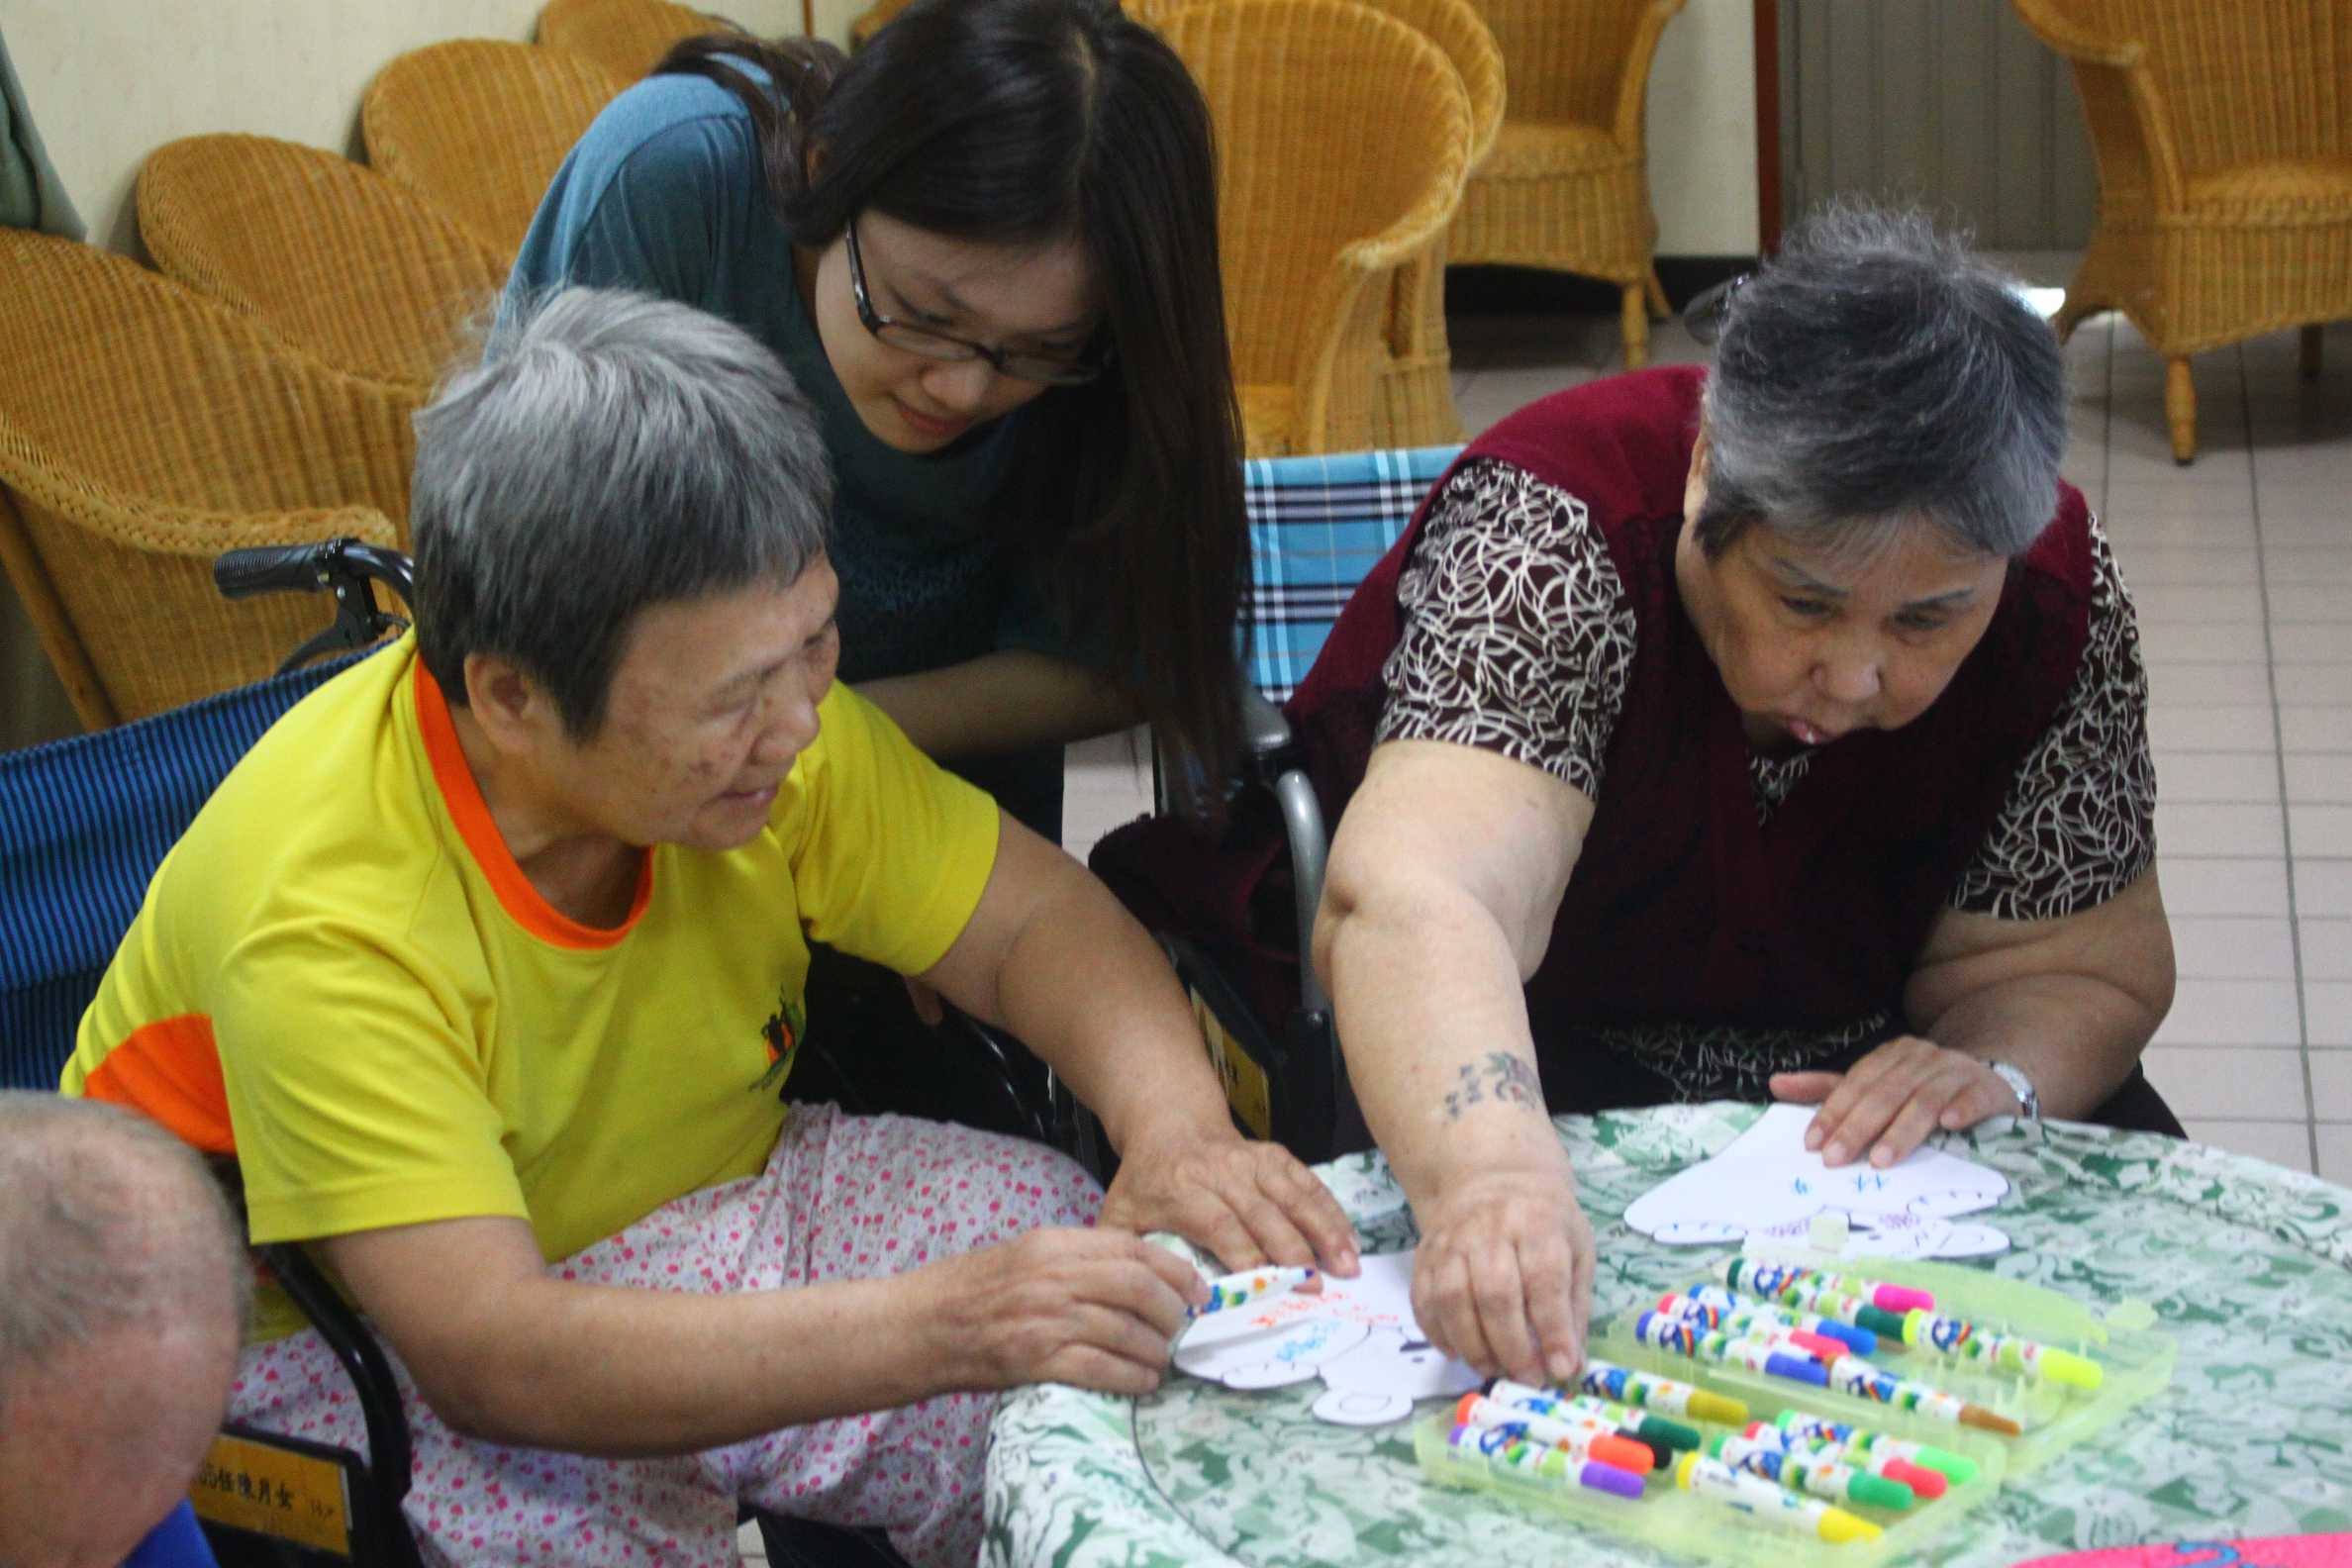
(145, 525)
(2060, 33)
(1625, 125)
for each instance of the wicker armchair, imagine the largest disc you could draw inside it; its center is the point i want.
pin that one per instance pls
(2223, 136)
(1566, 187)
(479, 127)
(626, 37)
(145, 430)
(1343, 136)
(329, 256)
(1416, 407)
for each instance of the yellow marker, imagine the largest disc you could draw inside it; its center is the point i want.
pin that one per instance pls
(1762, 1501)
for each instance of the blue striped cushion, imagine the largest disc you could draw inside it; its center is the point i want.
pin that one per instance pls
(1317, 525)
(83, 824)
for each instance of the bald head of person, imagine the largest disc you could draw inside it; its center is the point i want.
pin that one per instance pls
(124, 1289)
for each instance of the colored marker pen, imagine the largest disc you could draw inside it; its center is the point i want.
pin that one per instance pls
(1762, 1501)
(1855, 1376)
(1583, 1439)
(1657, 1430)
(1666, 1333)
(1520, 1461)
(1545, 1402)
(1809, 1473)
(1796, 1287)
(1652, 1392)
(1239, 1290)
(1959, 1467)
(1924, 1482)
(1861, 1341)
(1963, 1340)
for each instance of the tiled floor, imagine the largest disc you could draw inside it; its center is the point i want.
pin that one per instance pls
(2241, 565)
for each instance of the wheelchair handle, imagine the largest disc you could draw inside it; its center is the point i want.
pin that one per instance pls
(307, 568)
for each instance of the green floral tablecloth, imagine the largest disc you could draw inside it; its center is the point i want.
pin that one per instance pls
(2249, 1268)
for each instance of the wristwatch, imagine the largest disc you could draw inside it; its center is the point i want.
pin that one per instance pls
(2028, 1100)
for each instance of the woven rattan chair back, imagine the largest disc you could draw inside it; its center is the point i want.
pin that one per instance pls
(329, 256)
(626, 37)
(1343, 136)
(479, 127)
(144, 429)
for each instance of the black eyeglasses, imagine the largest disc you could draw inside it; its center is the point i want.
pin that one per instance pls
(1709, 308)
(1051, 369)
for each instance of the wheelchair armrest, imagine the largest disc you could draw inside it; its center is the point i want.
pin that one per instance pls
(1264, 729)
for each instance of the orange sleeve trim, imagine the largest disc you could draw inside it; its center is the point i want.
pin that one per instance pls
(475, 826)
(170, 1070)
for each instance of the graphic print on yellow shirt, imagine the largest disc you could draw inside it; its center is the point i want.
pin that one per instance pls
(341, 975)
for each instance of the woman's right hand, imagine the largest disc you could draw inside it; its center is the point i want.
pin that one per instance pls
(1099, 1308)
(1504, 1277)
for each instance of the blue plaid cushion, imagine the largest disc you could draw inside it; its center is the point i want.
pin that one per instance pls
(1317, 525)
(83, 824)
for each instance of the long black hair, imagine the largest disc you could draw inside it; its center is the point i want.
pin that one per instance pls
(1039, 122)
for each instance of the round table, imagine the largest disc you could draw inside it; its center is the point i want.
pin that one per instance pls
(2249, 1268)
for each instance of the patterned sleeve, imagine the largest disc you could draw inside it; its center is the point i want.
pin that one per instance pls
(2079, 822)
(1517, 634)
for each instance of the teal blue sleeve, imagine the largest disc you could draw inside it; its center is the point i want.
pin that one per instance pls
(648, 197)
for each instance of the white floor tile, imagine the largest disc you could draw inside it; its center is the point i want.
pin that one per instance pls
(2199, 603)
(2217, 947)
(2136, 517)
(2322, 829)
(2303, 563)
(2227, 887)
(2210, 685)
(2302, 465)
(2325, 947)
(2322, 887)
(2195, 727)
(2312, 685)
(2304, 728)
(2250, 1085)
(2315, 519)
(2287, 1143)
(2249, 776)
(2234, 1013)
(2335, 1152)
(2322, 777)
(2148, 567)
(2204, 644)
(754, 1548)
(2290, 602)
(2327, 1011)
(2331, 1085)
(2311, 643)
(2192, 829)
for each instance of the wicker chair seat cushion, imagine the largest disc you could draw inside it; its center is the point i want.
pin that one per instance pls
(2313, 190)
(1539, 151)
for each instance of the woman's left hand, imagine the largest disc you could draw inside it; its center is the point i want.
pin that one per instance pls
(1246, 1201)
(1892, 1099)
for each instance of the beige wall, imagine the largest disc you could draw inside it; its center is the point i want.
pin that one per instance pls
(1703, 131)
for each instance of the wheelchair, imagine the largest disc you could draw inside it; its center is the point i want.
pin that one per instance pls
(83, 824)
(1235, 912)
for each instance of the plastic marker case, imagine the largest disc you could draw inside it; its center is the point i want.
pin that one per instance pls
(2136, 1362)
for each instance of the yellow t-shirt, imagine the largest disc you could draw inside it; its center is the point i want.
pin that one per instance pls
(342, 976)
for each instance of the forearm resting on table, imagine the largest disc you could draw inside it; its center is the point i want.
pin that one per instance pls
(508, 1354)
(2072, 1001)
(1001, 702)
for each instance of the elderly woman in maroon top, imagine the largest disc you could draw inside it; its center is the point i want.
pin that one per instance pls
(1776, 732)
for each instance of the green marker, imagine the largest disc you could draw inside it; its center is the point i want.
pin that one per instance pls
(1840, 1482)
(1649, 1429)
(1955, 1468)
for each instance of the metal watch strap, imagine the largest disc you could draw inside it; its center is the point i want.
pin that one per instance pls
(2028, 1097)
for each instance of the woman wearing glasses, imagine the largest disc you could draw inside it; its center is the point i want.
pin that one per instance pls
(986, 248)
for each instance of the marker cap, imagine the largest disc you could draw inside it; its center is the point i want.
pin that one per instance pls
(1603, 1477)
(1718, 1407)
(1797, 1369)
(1879, 1492)
(2064, 1366)
(1837, 1527)
(1902, 1299)
(1923, 1481)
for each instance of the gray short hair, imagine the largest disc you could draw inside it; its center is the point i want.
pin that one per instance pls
(607, 452)
(107, 1222)
(1874, 374)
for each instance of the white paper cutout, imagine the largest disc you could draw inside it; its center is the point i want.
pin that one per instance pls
(1358, 1336)
(1767, 1185)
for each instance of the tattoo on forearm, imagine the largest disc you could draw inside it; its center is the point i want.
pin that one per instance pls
(1499, 1077)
